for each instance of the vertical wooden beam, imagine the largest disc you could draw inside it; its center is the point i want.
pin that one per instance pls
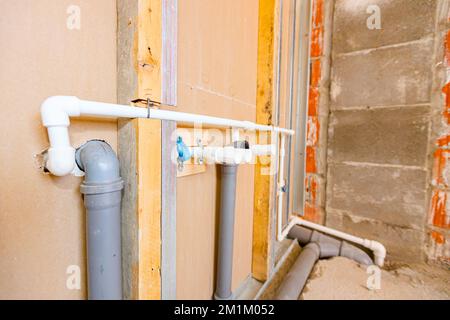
(149, 150)
(127, 151)
(127, 84)
(265, 111)
(142, 155)
(148, 136)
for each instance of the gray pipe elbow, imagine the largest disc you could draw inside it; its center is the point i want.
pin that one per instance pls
(316, 245)
(353, 252)
(302, 234)
(99, 161)
(329, 246)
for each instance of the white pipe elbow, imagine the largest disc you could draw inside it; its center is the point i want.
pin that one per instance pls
(379, 252)
(55, 111)
(61, 161)
(55, 114)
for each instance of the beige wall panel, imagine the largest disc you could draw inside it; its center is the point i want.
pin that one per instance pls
(216, 76)
(42, 217)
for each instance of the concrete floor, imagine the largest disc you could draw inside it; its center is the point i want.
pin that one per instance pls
(341, 278)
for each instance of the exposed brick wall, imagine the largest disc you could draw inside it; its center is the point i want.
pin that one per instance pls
(438, 224)
(378, 137)
(379, 128)
(317, 122)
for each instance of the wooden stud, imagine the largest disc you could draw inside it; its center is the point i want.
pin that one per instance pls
(142, 157)
(149, 207)
(190, 169)
(265, 110)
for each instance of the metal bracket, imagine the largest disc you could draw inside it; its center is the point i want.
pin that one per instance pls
(180, 164)
(152, 103)
(149, 103)
(200, 160)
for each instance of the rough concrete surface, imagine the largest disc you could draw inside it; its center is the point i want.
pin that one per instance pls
(402, 244)
(343, 279)
(393, 195)
(396, 136)
(401, 21)
(389, 113)
(390, 76)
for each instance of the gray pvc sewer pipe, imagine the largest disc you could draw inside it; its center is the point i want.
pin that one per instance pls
(226, 232)
(102, 190)
(295, 280)
(316, 246)
(329, 246)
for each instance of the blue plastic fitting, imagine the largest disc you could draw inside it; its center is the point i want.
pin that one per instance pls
(184, 154)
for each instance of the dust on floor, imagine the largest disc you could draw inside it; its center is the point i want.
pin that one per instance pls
(344, 279)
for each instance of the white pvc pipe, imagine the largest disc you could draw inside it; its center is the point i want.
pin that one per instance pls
(264, 149)
(376, 247)
(230, 154)
(235, 134)
(56, 112)
(99, 109)
(222, 155)
(281, 184)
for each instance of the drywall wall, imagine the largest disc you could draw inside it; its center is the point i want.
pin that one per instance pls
(217, 58)
(42, 217)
